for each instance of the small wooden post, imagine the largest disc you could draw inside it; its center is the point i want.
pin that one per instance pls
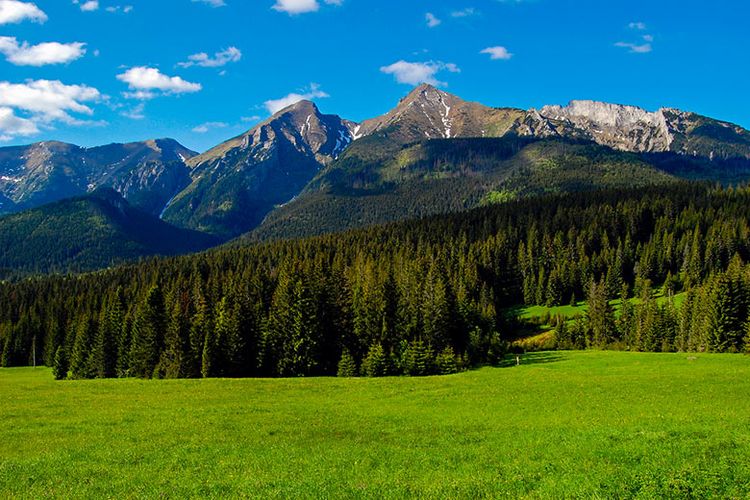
(33, 350)
(518, 360)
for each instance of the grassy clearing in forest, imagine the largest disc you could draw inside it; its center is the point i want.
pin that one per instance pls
(563, 424)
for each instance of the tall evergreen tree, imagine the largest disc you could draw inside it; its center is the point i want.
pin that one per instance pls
(601, 316)
(347, 365)
(60, 368)
(148, 334)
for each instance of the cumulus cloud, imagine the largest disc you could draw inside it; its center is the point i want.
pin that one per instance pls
(230, 55)
(87, 5)
(414, 73)
(432, 20)
(312, 92)
(14, 11)
(48, 99)
(205, 127)
(12, 125)
(26, 107)
(146, 81)
(497, 53)
(638, 25)
(212, 3)
(23, 54)
(301, 6)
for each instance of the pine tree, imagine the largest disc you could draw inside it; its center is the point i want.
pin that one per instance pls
(347, 365)
(446, 362)
(174, 361)
(375, 363)
(301, 351)
(201, 325)
(148, 335)
(80, 359)
(60, 369)
(723, 314)
(210, 363)
(601, 317)
(228, 330)
(418, 359)
(562, 334)
(105, 344)
(435, 310)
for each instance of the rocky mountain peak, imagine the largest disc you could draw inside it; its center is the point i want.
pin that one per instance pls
(605, 114)
(627, 128)
(425, 113)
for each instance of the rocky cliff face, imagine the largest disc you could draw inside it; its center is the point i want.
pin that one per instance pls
(633, 129)
(626, 128)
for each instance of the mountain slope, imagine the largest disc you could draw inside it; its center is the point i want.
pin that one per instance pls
(86, 233)
(237, 183)
(147, 173)
(436, 153)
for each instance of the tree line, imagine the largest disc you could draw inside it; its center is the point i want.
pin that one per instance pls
(421, 297)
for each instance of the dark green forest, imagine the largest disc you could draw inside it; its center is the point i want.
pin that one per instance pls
(86, 233)
(420, 297)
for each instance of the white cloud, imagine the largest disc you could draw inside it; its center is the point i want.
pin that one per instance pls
(87, 6)
(302, 6)
(644, 45)
(141, 95)
(635, 48)
(42, 102)
(212, 3)
(414, 73)
(467, 12)
(313, 92)
(14, 11)
(116, 9)
(24, 54)
(144, 81)
(230, 55)
(432, 20)
(51, 100)
(12, 125)
(253, 118)
(136, 112)
(497, 53)
(205, 127)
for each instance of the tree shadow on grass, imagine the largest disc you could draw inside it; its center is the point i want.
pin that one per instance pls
(531, 358)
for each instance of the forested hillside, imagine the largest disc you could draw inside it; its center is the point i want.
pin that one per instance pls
(87, 233)
(424, 296)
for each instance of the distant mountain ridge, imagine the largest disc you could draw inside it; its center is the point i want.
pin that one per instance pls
(301, 170)
(147, 173)
(437, 153)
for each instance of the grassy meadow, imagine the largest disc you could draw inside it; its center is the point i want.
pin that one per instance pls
(563, 424)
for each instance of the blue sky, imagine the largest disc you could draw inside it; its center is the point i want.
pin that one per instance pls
(121, 70)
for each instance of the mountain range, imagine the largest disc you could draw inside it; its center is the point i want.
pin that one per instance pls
(301, 172)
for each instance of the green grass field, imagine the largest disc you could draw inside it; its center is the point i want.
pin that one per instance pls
(567, 424)
(573, 311)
